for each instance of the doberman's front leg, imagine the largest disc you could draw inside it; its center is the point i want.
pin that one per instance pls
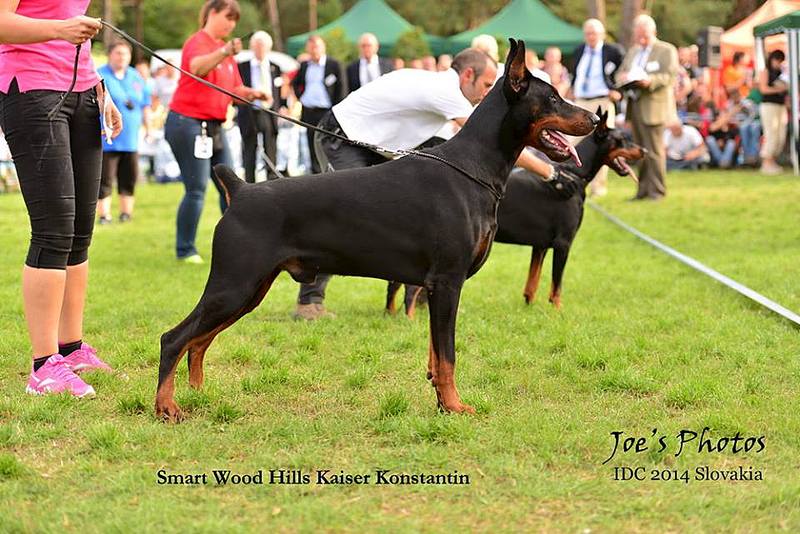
(559, 262)
(534, 272)
(443, 305)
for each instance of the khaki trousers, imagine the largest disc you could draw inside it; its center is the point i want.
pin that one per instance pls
(774, 119)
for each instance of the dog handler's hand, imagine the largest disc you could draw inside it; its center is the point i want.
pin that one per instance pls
(563, 183)
(78, 30)
(112, 118)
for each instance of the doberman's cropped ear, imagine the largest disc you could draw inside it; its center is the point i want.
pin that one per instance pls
(516, 75)
(601, 130)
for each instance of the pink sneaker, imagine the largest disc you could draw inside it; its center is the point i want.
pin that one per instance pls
(85, 359)
(54, 377)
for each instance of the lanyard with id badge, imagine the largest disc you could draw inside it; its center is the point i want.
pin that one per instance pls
(203, 144)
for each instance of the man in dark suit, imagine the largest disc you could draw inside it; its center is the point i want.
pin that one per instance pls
(259, 73)
(320, 84)
(369, 66)
(593, 67)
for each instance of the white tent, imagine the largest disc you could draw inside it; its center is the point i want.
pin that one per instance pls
(740, 37)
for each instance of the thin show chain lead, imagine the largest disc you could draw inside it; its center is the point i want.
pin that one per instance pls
(402, 152)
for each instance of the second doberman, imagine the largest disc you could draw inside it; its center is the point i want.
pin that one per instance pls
(415, 219)
(531, 214)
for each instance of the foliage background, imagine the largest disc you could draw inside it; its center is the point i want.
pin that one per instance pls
(169, 22)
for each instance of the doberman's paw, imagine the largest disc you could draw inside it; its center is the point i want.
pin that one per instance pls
(458, 407)
(528, 298)
(169, 412)
(195, 382)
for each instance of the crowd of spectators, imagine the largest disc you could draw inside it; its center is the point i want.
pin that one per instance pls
(741, 124)
(726, 118)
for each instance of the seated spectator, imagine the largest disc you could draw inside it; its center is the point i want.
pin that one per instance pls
(444, 62)
(724, 131)
(749, 129)
(559, 76)
(699, 110)
(429, 63)
(684, 146)
(684, 83)
(532, 62)
(736, 76)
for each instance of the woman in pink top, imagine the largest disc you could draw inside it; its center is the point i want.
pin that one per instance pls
(55, 140)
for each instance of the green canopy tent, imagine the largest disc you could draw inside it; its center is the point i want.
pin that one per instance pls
(528, 20)
(789, 25)
(372, 16)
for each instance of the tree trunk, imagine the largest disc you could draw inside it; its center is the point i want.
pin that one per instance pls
(742, 9)
(630, 10)
(312, 15)
(139, 33)
(108, 16)
(275, 22)
(597, 10)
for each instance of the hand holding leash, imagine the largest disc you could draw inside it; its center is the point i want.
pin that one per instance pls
(232, 47)
(78, 30)
(563, 183)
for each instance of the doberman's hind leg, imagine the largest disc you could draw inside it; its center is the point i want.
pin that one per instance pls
(559, 262)
(391, 291)
(410, 299)
(225, 299)
(443, 299)
(534, 272)
(197, 351)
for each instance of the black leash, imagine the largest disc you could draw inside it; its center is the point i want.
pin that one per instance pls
(60, 104)
(402, 152)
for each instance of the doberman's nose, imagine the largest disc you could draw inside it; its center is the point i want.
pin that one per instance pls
(595, 119)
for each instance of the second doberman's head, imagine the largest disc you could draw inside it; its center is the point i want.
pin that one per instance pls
(539, 112)
(616, 147)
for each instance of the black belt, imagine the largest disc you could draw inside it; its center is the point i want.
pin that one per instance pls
(600, 97)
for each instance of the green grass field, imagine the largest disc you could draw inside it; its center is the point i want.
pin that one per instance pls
(642, 342)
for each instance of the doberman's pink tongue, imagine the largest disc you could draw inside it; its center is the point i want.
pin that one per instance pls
(574, 154)
(568, 146)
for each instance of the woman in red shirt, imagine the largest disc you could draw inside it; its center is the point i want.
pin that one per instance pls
(194, 124)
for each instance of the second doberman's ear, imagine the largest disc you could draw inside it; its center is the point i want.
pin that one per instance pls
(516, 75)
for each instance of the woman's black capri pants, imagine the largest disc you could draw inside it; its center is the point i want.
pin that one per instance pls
(58, 165)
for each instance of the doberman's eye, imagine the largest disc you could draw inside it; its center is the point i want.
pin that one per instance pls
(553, 99)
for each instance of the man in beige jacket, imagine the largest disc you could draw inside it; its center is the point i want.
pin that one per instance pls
(650, 69)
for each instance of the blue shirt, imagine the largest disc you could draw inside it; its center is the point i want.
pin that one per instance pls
(590, 81)
(130, 94)
(316, 94)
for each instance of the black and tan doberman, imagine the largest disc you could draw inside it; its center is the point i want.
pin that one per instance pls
(415, 219)
(530, 215)
(533, 214)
